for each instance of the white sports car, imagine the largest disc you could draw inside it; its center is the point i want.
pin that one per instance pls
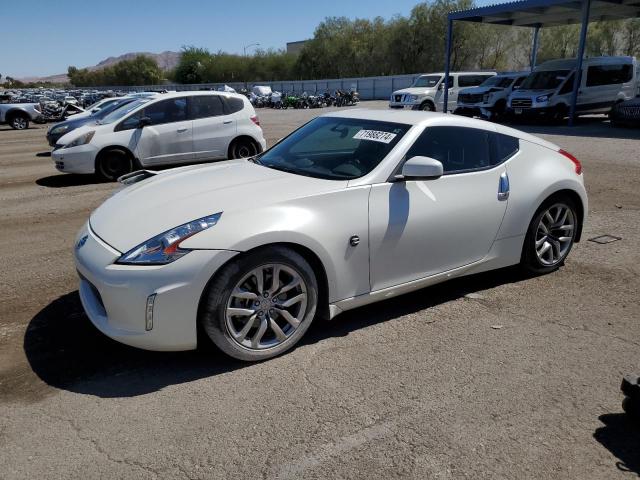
(349, 209)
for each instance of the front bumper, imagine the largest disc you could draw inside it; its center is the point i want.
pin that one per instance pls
(81, 159)
(115, 296)
(530, 112)
(483, 111)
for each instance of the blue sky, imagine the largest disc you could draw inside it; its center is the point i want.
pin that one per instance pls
(55, 34)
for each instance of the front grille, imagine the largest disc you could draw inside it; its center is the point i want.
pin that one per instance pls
(398, 98)
(632, 112)
(470, 97)
(521, 102)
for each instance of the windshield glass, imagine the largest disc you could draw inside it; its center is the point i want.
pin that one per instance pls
(497, 81)
(118, 113)
(110, 107)
(544, 80)
(334, 148)
(428, 81)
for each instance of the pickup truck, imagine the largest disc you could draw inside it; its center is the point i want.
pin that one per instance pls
(19, 115)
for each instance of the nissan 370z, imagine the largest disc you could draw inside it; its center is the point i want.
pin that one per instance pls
(349, 209)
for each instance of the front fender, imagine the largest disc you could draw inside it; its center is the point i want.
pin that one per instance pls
(323, 224)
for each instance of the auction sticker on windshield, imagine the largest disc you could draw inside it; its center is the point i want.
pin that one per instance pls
(375, 135)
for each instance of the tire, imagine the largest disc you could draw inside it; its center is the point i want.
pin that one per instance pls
(499, 111)
(427, 107)
(559, 114)
(243, 148)
(554, 248)
(19, 121)
(112, 164)
(255, 338)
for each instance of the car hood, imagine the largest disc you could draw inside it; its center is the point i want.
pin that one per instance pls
(81, 130)
(415, 91)
(143, 210)
(531, 93)
(74, 123)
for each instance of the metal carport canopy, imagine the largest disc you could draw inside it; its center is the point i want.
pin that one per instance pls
(543, 13)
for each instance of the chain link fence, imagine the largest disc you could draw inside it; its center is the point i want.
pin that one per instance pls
(369, 88)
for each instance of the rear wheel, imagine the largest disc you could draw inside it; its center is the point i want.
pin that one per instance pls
(19, 121)
(243, 148)
(261, 304)
(112, 164)
(550, 236)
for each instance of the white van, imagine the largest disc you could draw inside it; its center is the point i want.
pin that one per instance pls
(547, 91)
(426, 92)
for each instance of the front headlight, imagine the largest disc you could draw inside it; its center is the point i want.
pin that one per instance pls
(413, 98)
(165, 248)
(485, 97)
(59, 129)
(81, 140)
(542, 98)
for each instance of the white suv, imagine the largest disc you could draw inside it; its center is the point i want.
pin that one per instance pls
(174, 128)
(426, 92)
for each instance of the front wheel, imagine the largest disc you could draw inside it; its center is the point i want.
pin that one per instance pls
(112, 164)
(261, 304)
(19, 122)
(427, 107)
(550, 236)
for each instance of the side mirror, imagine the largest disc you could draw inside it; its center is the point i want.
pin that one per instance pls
(144, 122)
(441, 86)
(422, 168)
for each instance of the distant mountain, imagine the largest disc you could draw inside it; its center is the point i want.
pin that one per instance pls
(166, 61)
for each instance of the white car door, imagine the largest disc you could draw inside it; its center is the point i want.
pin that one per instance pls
(213, 129)
(422, 228)
(168, 138)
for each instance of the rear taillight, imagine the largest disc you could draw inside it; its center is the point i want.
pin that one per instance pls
(575, 161)
(255, 119)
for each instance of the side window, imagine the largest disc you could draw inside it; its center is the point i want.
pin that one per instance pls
(459, 149)
(568, 85)
(131, 122)
(506, 147)
(167, 111)
(609, 74)
(233, 105)
(203, 106)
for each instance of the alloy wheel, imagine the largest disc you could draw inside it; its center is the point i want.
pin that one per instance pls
(554, 234)
(19, 123)
(266, 306)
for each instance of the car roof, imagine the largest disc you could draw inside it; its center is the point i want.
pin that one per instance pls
(432, 119)
(570, 63)
(194, 93)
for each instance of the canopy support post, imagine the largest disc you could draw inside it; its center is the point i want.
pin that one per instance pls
(586, 6)
(447, 61)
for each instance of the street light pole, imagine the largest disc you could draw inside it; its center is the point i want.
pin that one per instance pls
(250, 45)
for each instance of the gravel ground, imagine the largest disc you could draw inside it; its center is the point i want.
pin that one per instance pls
(422, 386)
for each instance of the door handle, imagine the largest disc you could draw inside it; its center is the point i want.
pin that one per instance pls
(503, 187)
(182, 130)
(227, 122)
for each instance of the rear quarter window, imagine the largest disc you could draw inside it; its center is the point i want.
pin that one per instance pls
(233, 105)
(505, 147)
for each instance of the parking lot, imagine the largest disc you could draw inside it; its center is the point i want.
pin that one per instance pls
(490, 376)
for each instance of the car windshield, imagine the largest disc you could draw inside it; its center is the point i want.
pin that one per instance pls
(497, 81)
(544, 80)
(334, 148)
(428, 81)
(110, 107)
(118, 113)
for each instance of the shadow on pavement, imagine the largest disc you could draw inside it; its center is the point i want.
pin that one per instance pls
(621, 436)
(68, 180)
(43, 154)
(66, 351)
